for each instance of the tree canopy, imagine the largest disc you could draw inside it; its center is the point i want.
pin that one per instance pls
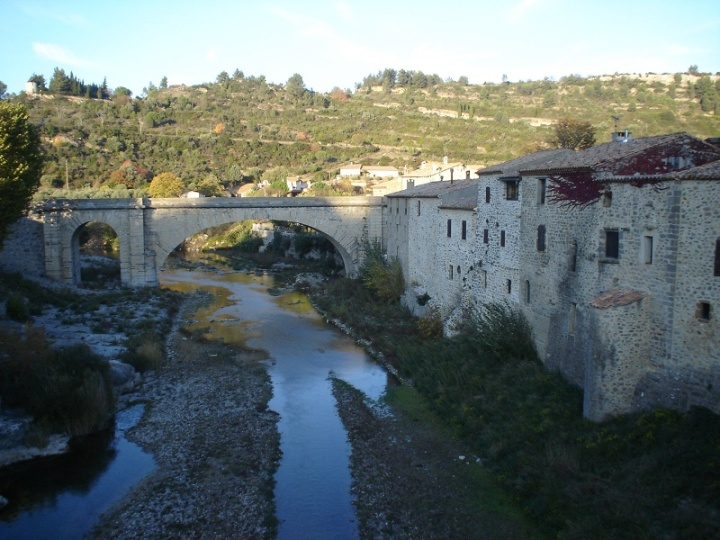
(165, 185)
(573, 134)
(20, 163)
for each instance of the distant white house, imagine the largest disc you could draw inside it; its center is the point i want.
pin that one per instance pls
(441, 172)
(193, 195)
(296, 185)
(380, 171)
(353, 169)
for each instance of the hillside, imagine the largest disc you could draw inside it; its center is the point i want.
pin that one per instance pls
(241, 127)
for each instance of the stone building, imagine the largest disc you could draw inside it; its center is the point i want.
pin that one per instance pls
(612, 253)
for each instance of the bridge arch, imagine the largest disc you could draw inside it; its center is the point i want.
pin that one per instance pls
(150, 229)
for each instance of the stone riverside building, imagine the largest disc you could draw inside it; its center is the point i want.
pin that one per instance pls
(612, 253)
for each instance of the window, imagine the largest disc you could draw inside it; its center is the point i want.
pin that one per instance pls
(612, 244)
(483, 278)
(716, 270)
(467, 175)
(463, 231)
(703, 311)
(647, 249)
(511, 191)
(508, 286)
(450, 271)
(406, 207)
(542, 190)
(573, 256)
(607, 199)
(502, 238)
(418, 208)
(486, 236)
(449, 228)
(571, 319)
(487, 194)
(541, 238)
(527, 291)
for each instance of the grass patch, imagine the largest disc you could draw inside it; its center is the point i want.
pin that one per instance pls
(649, 475)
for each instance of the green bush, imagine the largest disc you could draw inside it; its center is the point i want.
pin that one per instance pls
(383, 276)
(67, 390)
(145, 352)
(17, 308)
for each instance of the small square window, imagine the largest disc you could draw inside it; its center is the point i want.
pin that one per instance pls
(511, 191)
(703, 311)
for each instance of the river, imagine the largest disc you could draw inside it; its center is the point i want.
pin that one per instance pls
(312, 490)
(63, 497)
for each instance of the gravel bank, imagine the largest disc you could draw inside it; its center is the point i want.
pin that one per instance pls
(215, 444)
(409, 480)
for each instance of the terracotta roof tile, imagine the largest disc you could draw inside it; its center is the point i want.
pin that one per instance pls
(616, 298)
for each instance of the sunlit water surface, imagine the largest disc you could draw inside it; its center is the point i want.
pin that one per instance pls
(312, 489)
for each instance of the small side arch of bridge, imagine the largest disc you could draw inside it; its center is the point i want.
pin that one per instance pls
(150, 229)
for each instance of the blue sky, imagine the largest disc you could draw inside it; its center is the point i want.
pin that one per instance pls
(338, 42)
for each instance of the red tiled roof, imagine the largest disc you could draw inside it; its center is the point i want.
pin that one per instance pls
(616, 298)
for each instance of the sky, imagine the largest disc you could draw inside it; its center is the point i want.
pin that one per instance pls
(135, 43)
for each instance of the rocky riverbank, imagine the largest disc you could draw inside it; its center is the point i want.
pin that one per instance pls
(215, 444)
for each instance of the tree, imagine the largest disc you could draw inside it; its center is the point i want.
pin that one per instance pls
(21, 163)
(3, 89)
(222, 77)
(463, 80)
(210, 186)
(693, 70)
(165, 185)
(573, 134)
(163, 83)
(296, 86)
(60, 82)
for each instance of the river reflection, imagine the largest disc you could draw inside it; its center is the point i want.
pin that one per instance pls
(62, 497)
(313, 480)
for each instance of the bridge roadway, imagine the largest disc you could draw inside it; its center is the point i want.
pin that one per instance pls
(150, 229)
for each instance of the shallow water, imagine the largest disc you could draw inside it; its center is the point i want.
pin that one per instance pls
(62, 497)
(313, 480)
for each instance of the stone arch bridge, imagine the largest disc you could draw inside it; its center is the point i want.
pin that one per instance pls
(150, 229)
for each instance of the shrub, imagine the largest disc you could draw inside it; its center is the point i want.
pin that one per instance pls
(145, 352)
(67, 390)
(17, 308)
(383, 277)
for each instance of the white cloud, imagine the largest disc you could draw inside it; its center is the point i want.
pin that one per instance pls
(60, 54)
(344, 9)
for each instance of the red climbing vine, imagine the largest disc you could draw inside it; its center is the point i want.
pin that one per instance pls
(576, 190)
